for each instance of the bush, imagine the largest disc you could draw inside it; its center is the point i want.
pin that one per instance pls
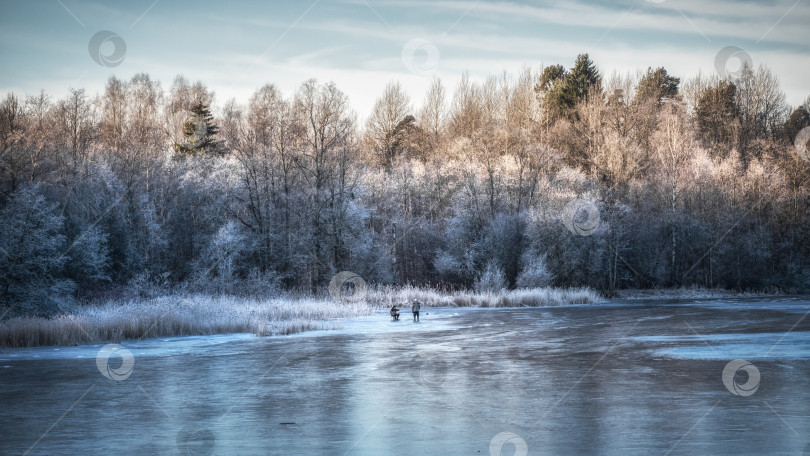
(492, 279)
(535, 273)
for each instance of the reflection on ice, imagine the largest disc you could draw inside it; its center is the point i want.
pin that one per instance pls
(790, 346)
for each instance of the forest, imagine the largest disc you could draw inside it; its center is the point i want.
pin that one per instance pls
(561, 177)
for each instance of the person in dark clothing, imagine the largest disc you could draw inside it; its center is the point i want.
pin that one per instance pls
(394, 312)
(415, 309)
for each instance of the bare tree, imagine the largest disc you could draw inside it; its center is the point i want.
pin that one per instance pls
(326, 134)
(75, 120)
(673, 144)
(113, 115)
(433, 112)
(694, 88)
(761, 104)
(388, 113)
(12, 136)
(39, 137)
(266, 149)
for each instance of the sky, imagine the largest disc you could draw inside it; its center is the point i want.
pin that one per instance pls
(235, 47)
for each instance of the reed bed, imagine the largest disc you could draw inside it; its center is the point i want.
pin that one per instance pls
(177, 316)
(523, 297)
(187, 315)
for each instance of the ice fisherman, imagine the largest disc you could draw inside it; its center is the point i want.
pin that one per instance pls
(394, 312)
(415, 309)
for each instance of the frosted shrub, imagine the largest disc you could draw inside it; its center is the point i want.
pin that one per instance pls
(535, 273)
(492, 279)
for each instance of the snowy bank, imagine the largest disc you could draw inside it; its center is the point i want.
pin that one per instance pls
(689, 293)
(177, 316)
(189, 315)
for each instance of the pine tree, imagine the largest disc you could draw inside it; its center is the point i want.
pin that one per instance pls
(199, 133)
(799, 119)
(717, 117)
(562, 90)
(583, 77)
(657, 85)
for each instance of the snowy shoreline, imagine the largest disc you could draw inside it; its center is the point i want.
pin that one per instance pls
(690, 293)
(189, 315)
(200, 315)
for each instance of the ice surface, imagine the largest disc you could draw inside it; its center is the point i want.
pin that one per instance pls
(621, 379)
(790, 346)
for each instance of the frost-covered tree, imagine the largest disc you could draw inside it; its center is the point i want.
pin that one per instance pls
(534, 272)
(32, 254)
(492, 279)
(478, 182)
(326, 165)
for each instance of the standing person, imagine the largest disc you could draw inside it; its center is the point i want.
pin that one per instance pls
(415, 309)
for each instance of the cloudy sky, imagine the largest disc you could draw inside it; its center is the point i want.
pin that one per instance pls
(236, 47)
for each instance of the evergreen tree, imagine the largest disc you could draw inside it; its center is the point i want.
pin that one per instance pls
(799, 118)
(199, 133)
(717, 116)
(402, 138)
(561, 89)
(583, 77)
(558, 98)
(657, 85)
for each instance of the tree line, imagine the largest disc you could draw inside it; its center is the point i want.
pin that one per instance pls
(139, 190)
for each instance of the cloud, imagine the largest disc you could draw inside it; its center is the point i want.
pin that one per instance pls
(717, 18)
(359, 45)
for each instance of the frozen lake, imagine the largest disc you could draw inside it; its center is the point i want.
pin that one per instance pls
(640, 378)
